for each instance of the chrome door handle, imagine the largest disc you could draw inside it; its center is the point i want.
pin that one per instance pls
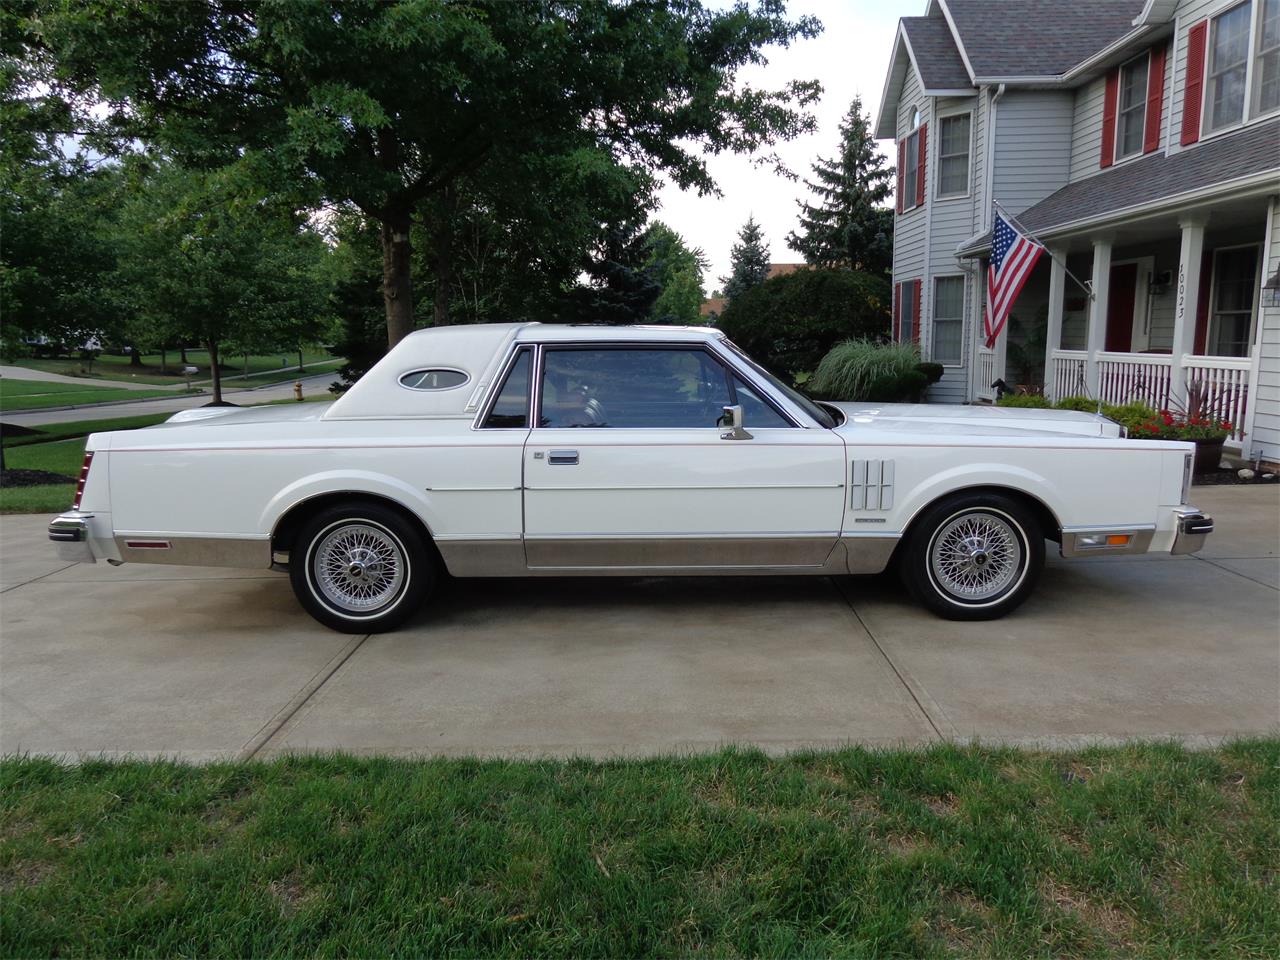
(567, 457)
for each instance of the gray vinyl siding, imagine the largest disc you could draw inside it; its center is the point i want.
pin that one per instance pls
(1086, 129)
(909, 253)
(1265, 439)
(953, 222)
(1032, 147)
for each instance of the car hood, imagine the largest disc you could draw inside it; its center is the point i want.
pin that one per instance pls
(942, 420)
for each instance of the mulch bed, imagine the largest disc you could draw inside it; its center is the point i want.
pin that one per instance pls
(1216, 478)
(31, 478)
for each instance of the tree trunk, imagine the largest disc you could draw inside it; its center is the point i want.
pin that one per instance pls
(217, 373)
(164, 363)
(183, 351)
(397, 281)
(300, 366)
(135, 357)
(244, 374)
(444, 256)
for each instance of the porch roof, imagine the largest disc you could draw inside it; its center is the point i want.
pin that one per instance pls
(1129, 190)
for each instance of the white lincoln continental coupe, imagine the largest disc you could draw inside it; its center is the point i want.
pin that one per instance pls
(519, 450)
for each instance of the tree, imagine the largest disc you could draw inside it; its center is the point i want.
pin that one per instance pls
(620, 287)
(391, 106)
(849, 225)
(208, 258)
(748, 261)
(679, 271)
(788, 323)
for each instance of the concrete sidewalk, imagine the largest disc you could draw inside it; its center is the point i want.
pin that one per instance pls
(204, 663)
(311, 386)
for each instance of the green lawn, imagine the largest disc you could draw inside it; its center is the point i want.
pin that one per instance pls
(116, 367)
(36, 394)
(1134, 851)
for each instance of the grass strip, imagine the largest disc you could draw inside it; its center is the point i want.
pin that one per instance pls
(1143, 850)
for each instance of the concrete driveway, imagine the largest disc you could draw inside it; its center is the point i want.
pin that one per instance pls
(203, 663)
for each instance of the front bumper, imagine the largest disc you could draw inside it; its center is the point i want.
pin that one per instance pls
(1192, 527)
(70, 535)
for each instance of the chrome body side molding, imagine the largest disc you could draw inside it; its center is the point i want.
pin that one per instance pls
(195, 551)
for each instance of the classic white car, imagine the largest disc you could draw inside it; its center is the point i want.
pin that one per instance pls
(525, 449)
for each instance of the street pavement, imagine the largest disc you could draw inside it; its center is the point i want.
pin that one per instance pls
(212, 663)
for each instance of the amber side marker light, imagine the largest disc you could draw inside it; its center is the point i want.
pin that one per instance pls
(1106, 540)
(80, 482)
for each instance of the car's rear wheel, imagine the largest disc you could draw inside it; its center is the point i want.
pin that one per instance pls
(360, 568)
(973, 556)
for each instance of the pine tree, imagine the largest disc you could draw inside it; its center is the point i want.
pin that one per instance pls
(748, 261)
(849, 224)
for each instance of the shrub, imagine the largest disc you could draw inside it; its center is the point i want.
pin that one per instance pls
(1079, 404)
(789, 323)
(860, 370)
(1130, 415)
(1024, 400)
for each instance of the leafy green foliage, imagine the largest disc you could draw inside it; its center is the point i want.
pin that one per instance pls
(849, 224)
(1143, 850)
(863, 370)
(1130, 415)
(419, 110)
(1026, 401)
(679, 271)
(748, 261)
(789, 323)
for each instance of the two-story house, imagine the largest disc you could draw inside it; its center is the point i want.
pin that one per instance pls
(1139, 140)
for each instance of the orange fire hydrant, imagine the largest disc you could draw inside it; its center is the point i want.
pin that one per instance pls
(297, 389)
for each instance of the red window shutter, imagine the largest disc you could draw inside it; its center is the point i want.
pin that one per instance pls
(1194, 93)
(1155, 100)
(924, 136)
(897, 312)
(1109, 101)
(902, 162)
(915, 313)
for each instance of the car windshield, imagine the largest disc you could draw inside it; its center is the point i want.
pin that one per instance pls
(821, 416)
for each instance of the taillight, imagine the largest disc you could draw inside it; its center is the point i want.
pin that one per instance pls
(84, 475)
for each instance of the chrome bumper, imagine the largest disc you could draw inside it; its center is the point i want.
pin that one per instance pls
(70, 533)
(1192, 527)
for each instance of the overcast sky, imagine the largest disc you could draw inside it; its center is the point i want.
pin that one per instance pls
(849, 57)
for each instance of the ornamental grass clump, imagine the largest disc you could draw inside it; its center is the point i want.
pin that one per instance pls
(862, 370)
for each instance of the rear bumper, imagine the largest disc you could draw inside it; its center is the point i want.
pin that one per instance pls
(1192, 527)
(70, 535)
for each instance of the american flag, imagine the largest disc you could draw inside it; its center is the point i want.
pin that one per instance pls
(1013, 256)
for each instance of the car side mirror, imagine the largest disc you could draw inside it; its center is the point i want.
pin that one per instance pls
(733, 420)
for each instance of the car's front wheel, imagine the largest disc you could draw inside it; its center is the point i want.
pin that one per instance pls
(360, 568)
(973, 556)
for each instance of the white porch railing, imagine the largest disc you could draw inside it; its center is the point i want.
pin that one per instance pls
(1224, 382)
(1123, 377)
(1067, 375)
(985, 362)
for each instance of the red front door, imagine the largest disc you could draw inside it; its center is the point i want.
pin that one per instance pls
(1120, 303)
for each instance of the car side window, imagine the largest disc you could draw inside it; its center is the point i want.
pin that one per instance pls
(511, 408)
(756, 412)
(632, 388)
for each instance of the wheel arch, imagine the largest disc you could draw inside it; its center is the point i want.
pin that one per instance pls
(1050, 525)
(286, 527)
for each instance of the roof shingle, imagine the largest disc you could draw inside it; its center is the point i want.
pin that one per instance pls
(1038, 38)
(941, 67)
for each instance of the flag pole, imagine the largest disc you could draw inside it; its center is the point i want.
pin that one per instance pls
(1086, 287)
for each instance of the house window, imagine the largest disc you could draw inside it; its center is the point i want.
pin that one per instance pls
(948, 319)
(953, 156)
(911, 164)
(1132, 117)
(1235, 282)
(1228, 66)
(1266, 70)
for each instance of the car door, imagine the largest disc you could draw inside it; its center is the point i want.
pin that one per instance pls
(628, 468)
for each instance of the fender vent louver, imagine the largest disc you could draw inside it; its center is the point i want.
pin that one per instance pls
(872, 485)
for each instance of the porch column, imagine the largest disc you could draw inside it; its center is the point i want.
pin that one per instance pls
(1096, 338)
(1053, 332)
(1184, 317)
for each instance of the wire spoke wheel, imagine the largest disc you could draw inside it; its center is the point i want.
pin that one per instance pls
(358, 567)
(976, 557)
